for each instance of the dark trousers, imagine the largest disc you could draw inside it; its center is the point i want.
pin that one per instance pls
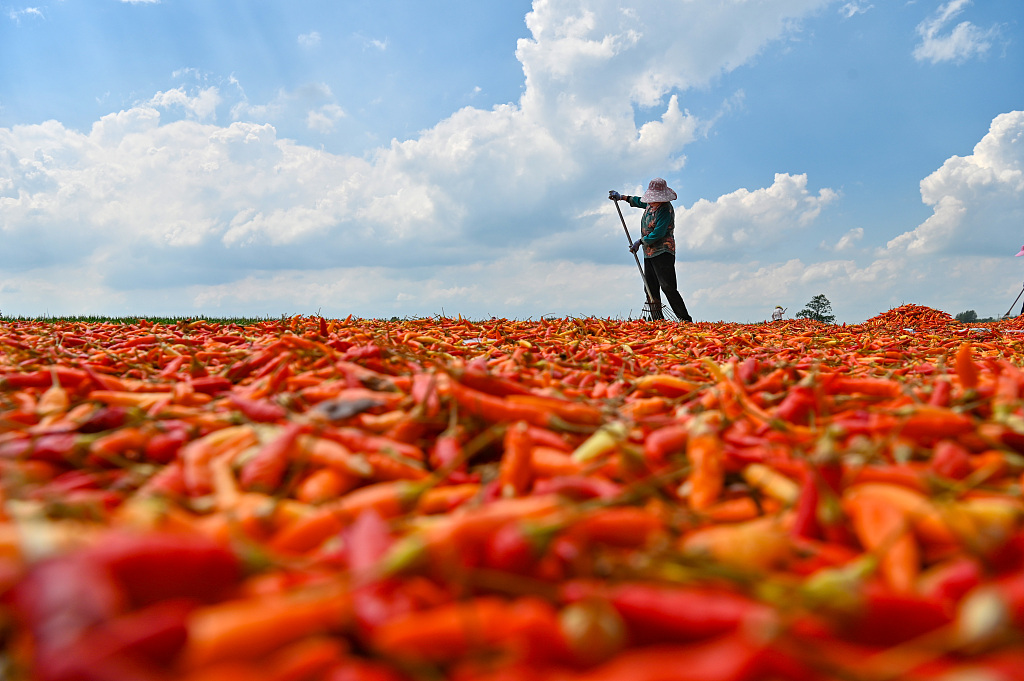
(660, 273)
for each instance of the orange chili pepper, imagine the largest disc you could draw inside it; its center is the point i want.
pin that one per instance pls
(759, 544)
(619, 526)
(389, 499)
(547, 462)
(933, 423)
(884, 529)
(325, 484)
(446, 498)
(497, 409)
(525, 626)
(573, 412)
(515, 470)
(966, 369)
(197, 455)
(707, 476)
(256, 626)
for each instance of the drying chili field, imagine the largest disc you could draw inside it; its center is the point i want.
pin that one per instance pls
(566, 499)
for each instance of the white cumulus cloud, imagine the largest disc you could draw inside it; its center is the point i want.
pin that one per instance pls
(849, 240)
(852, 9)
(16, 15)
(748, 221)
(977, 200)
(942, 41)
(201, 105)
(323, 118)
(309, 40)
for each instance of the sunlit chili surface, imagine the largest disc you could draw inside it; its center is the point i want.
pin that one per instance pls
(567, 499)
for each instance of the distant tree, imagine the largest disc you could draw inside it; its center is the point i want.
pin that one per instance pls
(967, 317)
(818, 309)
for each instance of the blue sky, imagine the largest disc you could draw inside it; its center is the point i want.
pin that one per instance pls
(401, 158)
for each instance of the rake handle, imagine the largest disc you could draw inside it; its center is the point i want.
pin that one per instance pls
(1011, 304)
(650, 298)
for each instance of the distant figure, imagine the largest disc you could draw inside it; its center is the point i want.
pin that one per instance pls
(778, 313)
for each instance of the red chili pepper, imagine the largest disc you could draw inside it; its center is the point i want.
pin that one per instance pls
(61, 598)
(153, 567)
(71, 481)
(261, 411)
(134, 342)
(727, 658)
(368, 538)
(134, 646)
(105, 381)
(237, 372)
(512, 549)
(104, 418)
(665, 441)
(797, 405)
(654, 613)
(447, 450)
(951, 460)
(887, 618)
(55, 447)
(122, 442)
(805, 522)
(424, 393)
(211, 385)
(746, 372)
(548, 438)
(358, 669)
(278, 379)
(16, 448)
(172, 367)
(374, 600)
(169, 481)
(941, 392)
(265, 471)
(66, 376)
(578, 487)
(359, 441)
(228, 340)
(949, 582)
(476, 376)
(163, 446)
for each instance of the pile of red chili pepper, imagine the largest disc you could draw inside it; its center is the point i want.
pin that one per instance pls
(563, 499)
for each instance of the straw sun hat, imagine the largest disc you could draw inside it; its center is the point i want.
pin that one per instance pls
(657, 192)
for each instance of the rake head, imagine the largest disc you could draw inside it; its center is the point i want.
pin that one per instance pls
(666, 312)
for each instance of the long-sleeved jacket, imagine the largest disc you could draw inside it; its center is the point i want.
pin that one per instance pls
(657, 227)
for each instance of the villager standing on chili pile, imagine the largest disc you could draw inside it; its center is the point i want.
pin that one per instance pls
(657, 237)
